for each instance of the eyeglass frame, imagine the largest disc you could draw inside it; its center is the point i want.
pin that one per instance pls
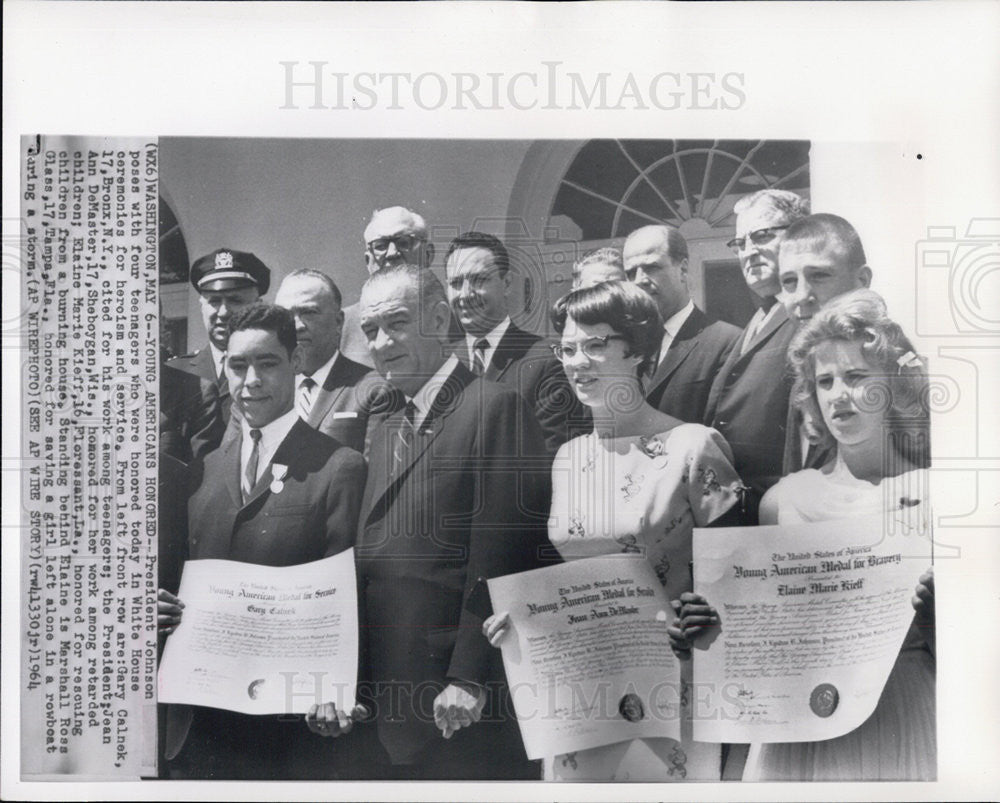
(737, 244)
(558, 348)
(411, 242)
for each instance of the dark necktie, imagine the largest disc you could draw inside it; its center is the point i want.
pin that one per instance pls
(250, 476)
(479, 356)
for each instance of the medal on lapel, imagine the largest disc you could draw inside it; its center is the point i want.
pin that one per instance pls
(278, 473)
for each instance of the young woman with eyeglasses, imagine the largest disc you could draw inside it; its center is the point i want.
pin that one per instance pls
(638, 483)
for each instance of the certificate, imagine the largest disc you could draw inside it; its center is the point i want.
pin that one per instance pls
(264, 640)
(588, 659)
(812, 619)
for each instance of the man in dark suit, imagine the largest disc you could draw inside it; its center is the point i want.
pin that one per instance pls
(479, 277)
(694, 346)
(335, 395)
(748, 402)
(821, 257)
(227, 281)
(190, 415)
(278, 495)
(455, 493)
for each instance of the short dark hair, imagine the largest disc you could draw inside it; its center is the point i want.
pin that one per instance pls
(860, 316)
(822, 229)
(269, 318)
(478, 239)
(310, 273)
(624, 307)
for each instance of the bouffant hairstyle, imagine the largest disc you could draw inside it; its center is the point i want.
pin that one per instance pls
(621, 305)
(860, 316)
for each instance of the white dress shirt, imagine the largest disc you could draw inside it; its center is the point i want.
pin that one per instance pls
(492, 337)
(218, 356)
(318, 376)
(672, 326)
(271, 436)
(757, 322)
(424, 398)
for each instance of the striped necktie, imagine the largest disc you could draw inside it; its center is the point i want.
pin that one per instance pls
(304, 399)
(250, 475)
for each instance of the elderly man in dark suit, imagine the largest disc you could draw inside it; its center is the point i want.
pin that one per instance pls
(748, 402)
(458, 490)
(280, 494)
(694, 346)
(479, 279)
(227, 281)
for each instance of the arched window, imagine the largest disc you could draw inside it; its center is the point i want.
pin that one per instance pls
(615, 186)
(583, 195)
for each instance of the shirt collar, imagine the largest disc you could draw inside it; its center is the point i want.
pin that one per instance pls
(218, 355)
(274, 433)
(493, 337)
(424, 398)
(320, 374)
(674, 323)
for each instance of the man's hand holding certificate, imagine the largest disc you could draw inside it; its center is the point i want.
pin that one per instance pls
(264, 640)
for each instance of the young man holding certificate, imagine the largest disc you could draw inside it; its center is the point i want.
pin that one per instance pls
(280, 494)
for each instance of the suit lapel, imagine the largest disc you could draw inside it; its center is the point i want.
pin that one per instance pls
(512, 346)
(779, 319)
(679, 349)
(385, 483)
(232, 472)
(283, 455)
(332, 389)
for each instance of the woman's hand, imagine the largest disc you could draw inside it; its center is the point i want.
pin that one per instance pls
(923, 604)
(693, 616)
(168, 612)
(497, 626)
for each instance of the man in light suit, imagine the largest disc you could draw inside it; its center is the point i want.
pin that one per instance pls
(821, 257)
(694, 346)
(334, 394)
(479, 278)
(455, 493)
(227, 281)
(748, 402)
(280, 494)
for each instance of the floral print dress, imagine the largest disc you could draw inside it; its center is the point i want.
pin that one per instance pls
(644, 495)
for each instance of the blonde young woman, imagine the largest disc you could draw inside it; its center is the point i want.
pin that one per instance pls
(859, 384)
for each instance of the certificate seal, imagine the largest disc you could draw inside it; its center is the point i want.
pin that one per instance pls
(253, 690)
(824, 699)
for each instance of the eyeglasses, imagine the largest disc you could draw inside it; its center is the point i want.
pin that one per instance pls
(758, 237)
(595, 348)
(403, 242)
